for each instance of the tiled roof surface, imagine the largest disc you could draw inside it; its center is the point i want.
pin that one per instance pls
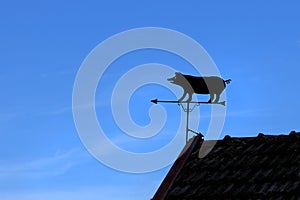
(262, 167)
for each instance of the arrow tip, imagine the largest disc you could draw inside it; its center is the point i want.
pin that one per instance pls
(154, 101)
(223, 103)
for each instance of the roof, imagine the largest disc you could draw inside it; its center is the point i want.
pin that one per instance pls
(266, 166)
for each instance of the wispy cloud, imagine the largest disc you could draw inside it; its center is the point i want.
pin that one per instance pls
(58, 111)
(8, 116)
(56, 74)
(116, 192)
(25, 114)
(54, 165)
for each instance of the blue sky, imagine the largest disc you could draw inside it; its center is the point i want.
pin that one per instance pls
(43, 43)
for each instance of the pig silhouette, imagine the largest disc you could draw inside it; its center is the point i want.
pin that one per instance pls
(212, 85)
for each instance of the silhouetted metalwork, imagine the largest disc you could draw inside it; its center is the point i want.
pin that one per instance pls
(185, 102)
(187, 109)
(211, 85)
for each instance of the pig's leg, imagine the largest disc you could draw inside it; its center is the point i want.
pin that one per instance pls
(211, 97)
(217, 98)
(183, 96)
(190, 97)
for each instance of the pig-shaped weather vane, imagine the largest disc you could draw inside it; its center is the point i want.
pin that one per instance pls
(212, 85)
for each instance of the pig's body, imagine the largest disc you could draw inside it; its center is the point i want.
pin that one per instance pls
(212, 85)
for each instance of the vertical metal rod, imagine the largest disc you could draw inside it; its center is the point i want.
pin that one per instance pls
(187, 122)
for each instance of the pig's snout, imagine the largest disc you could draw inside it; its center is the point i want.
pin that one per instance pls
(171, 79)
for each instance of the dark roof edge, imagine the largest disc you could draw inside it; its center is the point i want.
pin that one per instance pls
(176, 168)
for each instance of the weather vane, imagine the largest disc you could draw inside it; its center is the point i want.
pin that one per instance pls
(211, 85)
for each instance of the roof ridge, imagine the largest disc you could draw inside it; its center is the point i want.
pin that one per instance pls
(262, 135)
(176, 168)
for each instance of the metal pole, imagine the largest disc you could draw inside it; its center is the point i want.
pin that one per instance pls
(187, 110)
(187, 122)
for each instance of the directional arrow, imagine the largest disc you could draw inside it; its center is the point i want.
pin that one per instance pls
(160, 101)
(197, 102)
